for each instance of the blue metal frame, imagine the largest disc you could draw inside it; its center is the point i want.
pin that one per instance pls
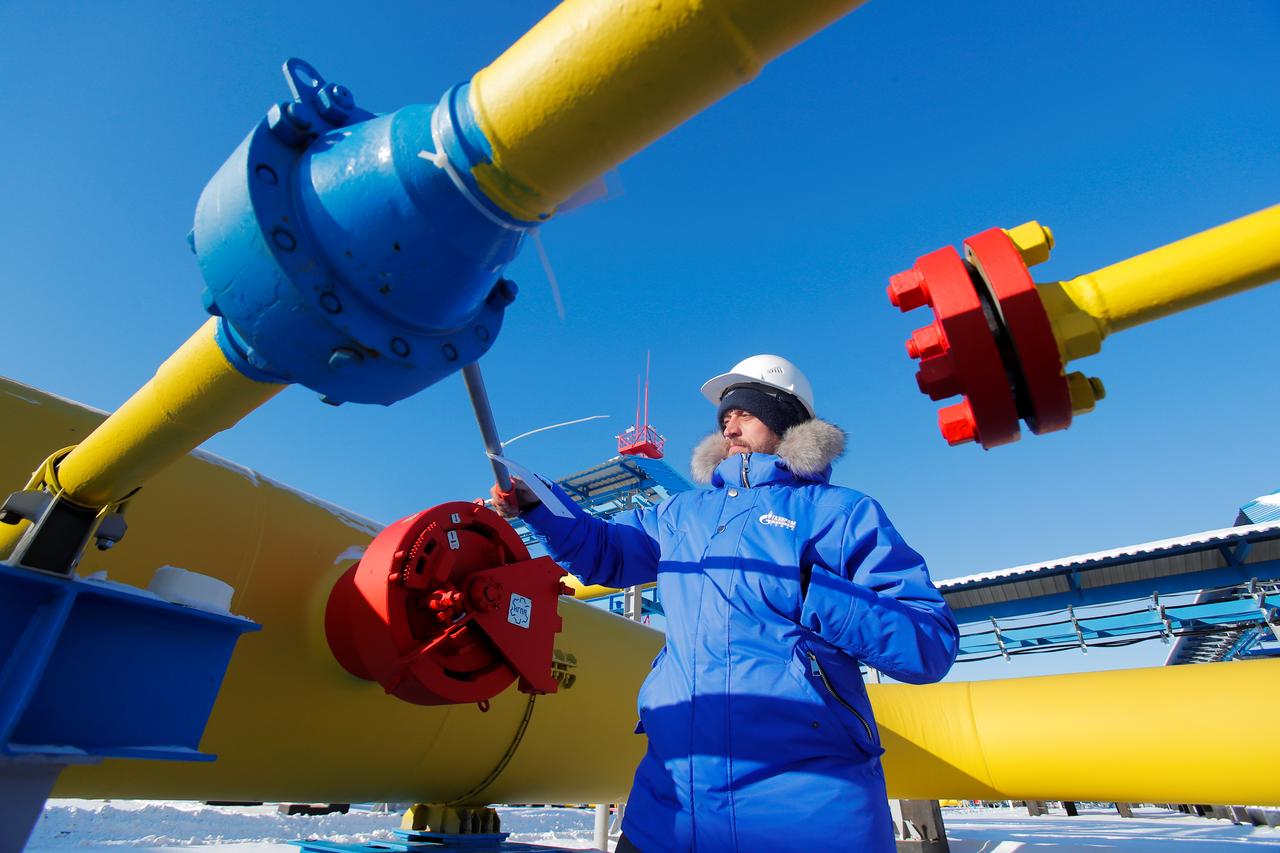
(94, 668)
(1155, 622)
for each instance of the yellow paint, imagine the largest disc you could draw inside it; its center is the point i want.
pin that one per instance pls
(597, 80)
(195, 394)
(1033, 240)
(1085, 392)
(1104, 736)
(292, 725)
(1207, 266)
(583, 592)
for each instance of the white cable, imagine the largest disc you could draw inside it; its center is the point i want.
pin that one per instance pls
(508, 441)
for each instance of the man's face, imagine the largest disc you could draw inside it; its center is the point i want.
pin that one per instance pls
(747, 434)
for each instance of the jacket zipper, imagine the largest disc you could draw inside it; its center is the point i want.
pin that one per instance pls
(826, 682)
(746, 457)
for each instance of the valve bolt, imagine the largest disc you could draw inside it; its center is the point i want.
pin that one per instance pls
(907, 290)
(957, 423)
(926, 342)
(936, 378)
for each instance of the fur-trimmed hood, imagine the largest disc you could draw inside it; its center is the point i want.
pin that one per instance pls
(807, 449)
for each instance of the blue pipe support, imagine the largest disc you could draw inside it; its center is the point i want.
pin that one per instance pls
(352, 253)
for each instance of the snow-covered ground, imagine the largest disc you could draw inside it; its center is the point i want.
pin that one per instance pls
(177, 826)
(157, 825)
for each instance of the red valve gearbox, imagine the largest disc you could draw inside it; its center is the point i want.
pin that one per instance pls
(446, 607)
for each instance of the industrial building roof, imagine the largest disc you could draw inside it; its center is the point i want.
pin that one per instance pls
(1186, 558)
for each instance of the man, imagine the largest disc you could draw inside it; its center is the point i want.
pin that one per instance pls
(775, 586)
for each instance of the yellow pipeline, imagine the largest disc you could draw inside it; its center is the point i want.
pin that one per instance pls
(290, 724)
(597, 80)
(1118, 736)
(194, 394)
(1207, 266)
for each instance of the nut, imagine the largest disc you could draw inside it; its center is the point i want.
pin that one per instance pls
(1033, 240)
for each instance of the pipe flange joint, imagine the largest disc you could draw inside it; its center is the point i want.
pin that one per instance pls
(345, 251)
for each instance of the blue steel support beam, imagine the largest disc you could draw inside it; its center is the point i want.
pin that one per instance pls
(1086, 596)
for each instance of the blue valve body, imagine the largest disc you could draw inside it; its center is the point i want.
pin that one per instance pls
(341, 252)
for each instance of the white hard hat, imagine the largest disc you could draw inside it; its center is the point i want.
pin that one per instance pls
(772, 370)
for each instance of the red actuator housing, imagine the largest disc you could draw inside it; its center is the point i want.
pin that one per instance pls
(447, 607)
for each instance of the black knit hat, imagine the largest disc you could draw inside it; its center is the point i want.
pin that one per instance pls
(779, 410)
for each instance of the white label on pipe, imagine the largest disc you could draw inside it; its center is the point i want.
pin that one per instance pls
(454, 544)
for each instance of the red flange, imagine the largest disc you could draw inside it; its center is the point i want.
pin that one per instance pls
(446, 607)
(1026, 323)
(957, 352)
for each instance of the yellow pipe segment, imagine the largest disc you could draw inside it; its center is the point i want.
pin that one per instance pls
(194, 394)
(291, 725)
(1117, 736)
(1206, 266)
(597, 80)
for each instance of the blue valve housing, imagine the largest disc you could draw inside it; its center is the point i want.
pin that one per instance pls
(346, 252)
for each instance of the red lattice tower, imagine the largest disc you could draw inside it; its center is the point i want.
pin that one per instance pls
(642, 439)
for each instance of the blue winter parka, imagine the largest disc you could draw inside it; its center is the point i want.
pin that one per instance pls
(775, 585)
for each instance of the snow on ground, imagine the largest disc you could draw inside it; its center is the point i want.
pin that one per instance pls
(160, 825)
(1150, 830)
(179, 826)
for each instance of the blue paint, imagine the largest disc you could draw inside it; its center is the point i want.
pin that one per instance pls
(340, 253)
(1181, 618)
(1169, 585)
(100, 669)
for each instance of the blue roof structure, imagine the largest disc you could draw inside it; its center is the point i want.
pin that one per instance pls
(1260, 509)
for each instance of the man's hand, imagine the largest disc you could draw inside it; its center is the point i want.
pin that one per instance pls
(511, 504)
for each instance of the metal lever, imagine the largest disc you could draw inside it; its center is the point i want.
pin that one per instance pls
(484, 418)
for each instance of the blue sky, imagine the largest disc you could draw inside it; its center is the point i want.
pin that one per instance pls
(769, 223)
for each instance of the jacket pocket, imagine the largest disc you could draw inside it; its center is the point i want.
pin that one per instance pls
(640, 703)
(847, 704)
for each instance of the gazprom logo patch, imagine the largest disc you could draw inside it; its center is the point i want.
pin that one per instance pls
(777, 521)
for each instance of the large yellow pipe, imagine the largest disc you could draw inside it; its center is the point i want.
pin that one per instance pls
(290, 724)
(597, 80)
(1107, 736)
(1219, 262)
(194, 394)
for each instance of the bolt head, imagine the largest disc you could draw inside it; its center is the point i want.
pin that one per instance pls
(936, 378)
(1033, 240)
(927, 342)
(287, 125)
(1085, 392)
(335, 103)
(908, 290)
(957, 423)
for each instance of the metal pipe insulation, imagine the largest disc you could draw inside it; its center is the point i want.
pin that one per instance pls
(290, 724)
(595, 81)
